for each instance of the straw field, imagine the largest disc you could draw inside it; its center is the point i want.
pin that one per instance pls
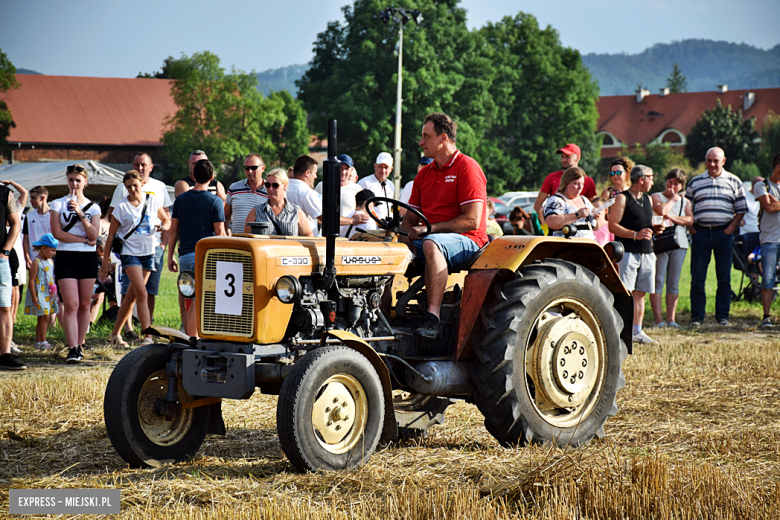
(697, 436)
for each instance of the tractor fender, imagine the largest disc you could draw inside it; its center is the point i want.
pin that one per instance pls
(173, 335)
(390, 429)
(510, 253)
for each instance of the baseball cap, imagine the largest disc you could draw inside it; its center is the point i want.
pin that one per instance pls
(570, 149)
(424, 161)
(346, 159)
(47, 240)
(384, 158)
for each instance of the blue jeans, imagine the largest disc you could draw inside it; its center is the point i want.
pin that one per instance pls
(707, 242)
(153, 284)
(769, 265)
(456, 248)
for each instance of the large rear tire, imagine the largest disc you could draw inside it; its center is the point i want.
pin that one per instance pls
(331, 410)
(549, 356)
(139, 435)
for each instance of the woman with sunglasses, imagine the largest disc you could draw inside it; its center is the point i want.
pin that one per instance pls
(286, 218)
(619, 171)
(75, 265)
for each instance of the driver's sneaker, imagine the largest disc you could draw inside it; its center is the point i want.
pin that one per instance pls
(641, 337)
(74, 355)
(430, 327)
(11, 362)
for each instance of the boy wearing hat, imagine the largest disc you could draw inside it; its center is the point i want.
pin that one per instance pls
(42, 300)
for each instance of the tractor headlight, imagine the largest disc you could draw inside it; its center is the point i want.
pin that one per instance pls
(186, 283)
(288, 289)
(614, 251)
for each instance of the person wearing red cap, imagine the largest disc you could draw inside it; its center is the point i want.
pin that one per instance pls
(570, 156)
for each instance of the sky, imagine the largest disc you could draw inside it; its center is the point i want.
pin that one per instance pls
(109, 38)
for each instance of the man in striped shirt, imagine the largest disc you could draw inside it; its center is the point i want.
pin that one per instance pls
(718, 201)
(244, 195)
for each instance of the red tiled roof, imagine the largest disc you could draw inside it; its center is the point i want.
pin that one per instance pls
(631, 123)
(89, 111)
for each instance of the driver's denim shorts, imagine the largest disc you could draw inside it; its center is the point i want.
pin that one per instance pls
(456, 248)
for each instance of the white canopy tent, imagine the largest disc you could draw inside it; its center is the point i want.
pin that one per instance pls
(102, 180)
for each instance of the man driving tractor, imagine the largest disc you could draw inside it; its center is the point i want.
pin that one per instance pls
(451, 193)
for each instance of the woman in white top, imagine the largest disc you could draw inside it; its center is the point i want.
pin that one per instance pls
(75, 265)
(569, 206)
(668, 265)
(134, 221)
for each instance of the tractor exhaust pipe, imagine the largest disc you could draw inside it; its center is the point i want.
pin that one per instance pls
(331, 208)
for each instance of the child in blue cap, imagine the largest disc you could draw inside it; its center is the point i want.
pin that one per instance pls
(42, 300)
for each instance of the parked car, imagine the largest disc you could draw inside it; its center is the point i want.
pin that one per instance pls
(519, 198)
(501, 211)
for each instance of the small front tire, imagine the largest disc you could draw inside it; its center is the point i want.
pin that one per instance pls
(139, 435)
(331, 410)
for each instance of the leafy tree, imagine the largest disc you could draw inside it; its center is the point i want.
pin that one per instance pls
(770, 142)
(7, 82)
(725, 128)
(676, 81)
(353, 77)
(292, 139)
(516, 93)
(544, 98)
(660, 157)
(226, 116)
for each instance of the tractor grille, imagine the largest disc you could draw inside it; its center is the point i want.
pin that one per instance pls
(225, 324)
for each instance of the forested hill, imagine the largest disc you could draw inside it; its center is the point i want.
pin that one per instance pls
(704, 63)
(280, 79)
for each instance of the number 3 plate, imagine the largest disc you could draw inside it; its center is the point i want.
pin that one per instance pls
(230, 283)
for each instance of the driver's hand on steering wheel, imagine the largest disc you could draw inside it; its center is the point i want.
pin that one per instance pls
(417, 232)
(359, 218)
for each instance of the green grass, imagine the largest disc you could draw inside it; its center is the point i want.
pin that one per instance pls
(167, 307)
(166, 313)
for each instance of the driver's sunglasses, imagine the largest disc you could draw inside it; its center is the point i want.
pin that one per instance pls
(254, 167)
(616, 173)
(274, 185)
(75, 168)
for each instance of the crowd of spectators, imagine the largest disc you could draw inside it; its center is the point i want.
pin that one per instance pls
(656, 231)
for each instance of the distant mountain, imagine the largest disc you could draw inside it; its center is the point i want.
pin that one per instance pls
(280, 79)
(28, 71)
(704, 63)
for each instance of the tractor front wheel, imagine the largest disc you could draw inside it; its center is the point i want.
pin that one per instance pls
(140, 435)
(331, 410)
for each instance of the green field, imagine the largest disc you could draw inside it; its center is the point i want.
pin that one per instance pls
(167, 311)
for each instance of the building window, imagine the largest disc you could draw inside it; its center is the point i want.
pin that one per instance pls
(609, 140)
(671, 136)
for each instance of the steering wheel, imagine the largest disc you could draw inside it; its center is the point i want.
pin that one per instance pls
(394, 224)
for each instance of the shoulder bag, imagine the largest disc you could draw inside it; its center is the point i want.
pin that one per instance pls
(118, 244)
(667, 241)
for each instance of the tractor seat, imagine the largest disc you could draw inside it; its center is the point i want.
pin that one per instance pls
(417, 269)
(468, 263)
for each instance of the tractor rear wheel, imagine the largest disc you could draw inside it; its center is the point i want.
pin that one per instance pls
(549, 357)
(331, 410)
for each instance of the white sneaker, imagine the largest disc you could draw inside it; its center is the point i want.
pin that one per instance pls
(15, 349)
(641, 337)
